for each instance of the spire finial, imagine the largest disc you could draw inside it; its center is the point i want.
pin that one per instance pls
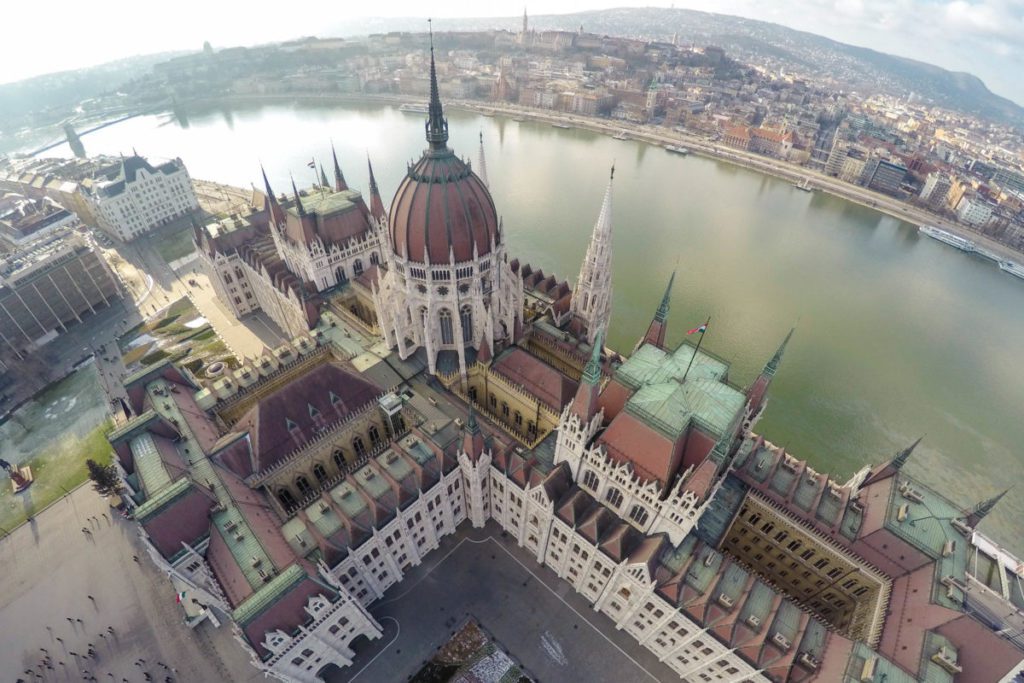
(612, 176)
(981, 510)
(298, 201)
(903, 456)
(773, 365)
(662, 315)
(437, 126)
(592, 371)
(266, 186)
(481, 164)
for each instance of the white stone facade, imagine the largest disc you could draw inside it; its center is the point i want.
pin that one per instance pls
(230, 280)
(592, 297)
(450, 307)
(128, 207)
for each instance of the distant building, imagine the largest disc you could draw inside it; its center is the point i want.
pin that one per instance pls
(884, 176)
(136, 197)
(49, 286)
(935, 190)
(23, 220)
(974, 210)
(853, 166)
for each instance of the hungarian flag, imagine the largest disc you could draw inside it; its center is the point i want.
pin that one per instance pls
(702, 329)
(179, 597)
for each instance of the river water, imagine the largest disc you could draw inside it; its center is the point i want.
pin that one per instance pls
(897, 335)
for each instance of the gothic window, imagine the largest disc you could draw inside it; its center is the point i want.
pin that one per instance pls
(286, 498)
(447, 331)
(494, 403)
(339, 459)
(339, 273)
(302, 484)
(442, 291)
(590, 480)
(504, 410)
(422, 289)
(638, 515)
(358, 446)
(531, 428)
(472, 394)
(614, 497)
(375, 258)
(466, 316)
(374, 436)
(399, 424)
(357, 267)
(518, 419)
(320, 473)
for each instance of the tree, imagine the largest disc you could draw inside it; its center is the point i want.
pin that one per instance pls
(105, 480)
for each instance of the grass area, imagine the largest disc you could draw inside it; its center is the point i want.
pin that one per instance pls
(174, 245)
(56, 471)
(170, 336)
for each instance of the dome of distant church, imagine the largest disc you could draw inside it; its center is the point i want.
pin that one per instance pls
(441, 207)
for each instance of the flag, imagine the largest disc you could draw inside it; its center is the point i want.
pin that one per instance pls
(702, 329)
(180, 597)
(312, 164)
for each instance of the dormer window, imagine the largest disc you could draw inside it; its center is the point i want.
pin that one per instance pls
(313, 412)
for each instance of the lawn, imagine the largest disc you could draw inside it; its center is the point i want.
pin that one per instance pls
(55, 433)
(179, 333)
(174, 245)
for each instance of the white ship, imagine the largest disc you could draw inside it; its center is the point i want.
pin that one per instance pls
(677, 150)
(414, 109)
(561, 125)
(949, 238)
(1015, 269)
(620, 136)
(804, 185)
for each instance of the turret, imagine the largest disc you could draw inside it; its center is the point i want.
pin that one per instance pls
(656, 332)
(276, 213)
(298, 200)
(584, 404)
(890, 468)
(592, 296)
(339, 178)
(376, 203)
(981, 510)
(473, 438)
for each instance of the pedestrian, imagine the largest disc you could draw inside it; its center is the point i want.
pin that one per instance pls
(79, 621)
(110, 630)
(60, 640)
(135, 558)
(70, 620)
(103, 635)
(42, 649)
(92, 598)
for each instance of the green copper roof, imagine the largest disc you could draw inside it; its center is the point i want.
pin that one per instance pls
(326, 203)
(149, 464)
(136, 423)
(243, 544)
(884, 669)
(670, 407)
(651, 365)
(592, 371)
(662, 314)
(268, 594)
(348, 499)
(162, 497)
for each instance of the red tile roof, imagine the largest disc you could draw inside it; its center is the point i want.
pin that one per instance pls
(549, 385)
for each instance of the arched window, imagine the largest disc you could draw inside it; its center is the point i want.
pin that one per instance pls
(320, 472)
(374, 436)
(359, 446)
(302, 484)
(447, 331)
(494, 403)
(357, 267)
(504, 410)
(613, 496)
(339, 274)
(466, 318)
(590, 480)
(639, 515)
(375, 259)
(472, 394)
(518, 419)
(339, 459)
(286, 498)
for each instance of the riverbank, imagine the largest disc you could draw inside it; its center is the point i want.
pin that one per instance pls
(656, 135)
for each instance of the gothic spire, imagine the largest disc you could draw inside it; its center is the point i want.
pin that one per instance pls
(981, 510)
(437, 125)
(339, 178)
(584, 405)
(473, 438)
(323, 178)
(773, 365)
(903, 456)
(592, 296)
(298, 201)
(276, 214)
(376, 204)
(656, 332)
(481, 166)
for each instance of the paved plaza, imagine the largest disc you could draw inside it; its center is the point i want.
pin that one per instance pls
(549, 630)
(50, 568)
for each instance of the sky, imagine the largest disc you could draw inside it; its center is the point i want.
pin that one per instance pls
(983, 37)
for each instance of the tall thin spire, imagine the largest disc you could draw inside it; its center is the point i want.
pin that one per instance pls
(473, 438)
(772, 366)
(339, 178)
(903, 456)
(323, 178)
(662, 314)
(376, 204)
(592, 296)
(481, 166)
(981, 510)
(298, 201)
(276, 214)
(437, 125)
(658, 327)
(584, 404)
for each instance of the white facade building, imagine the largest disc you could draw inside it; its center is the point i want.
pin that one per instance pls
(138, 197)
(974, 210)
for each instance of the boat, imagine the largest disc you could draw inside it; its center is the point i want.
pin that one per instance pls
(948, 238)
(804, 185)
(414, 109)
(561, 125)
(677, 150)
(620, 136)
(1015, 269)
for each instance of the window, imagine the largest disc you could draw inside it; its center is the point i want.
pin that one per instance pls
(320, 473)
(590, 480)
(339, 274)
(638, 515)
(359, 446)
(304, 487)
(357, 267)
(447, 331)
(504, 410)
(339, 459)
(374, 436)
(614, 497)
(286, 498)
(375, 258)
(466, 318)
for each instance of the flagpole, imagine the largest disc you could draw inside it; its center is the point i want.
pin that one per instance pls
(312, 165)
(692, 358)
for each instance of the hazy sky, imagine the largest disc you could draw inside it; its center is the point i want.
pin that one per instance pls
(984, 37)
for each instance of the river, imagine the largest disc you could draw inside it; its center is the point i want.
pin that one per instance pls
(897, 336)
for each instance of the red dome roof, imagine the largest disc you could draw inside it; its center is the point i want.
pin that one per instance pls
(445, 207)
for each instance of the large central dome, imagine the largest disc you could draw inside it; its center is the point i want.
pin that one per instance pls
(441, 207)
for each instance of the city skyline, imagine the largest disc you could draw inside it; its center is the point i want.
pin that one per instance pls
(981, 38)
